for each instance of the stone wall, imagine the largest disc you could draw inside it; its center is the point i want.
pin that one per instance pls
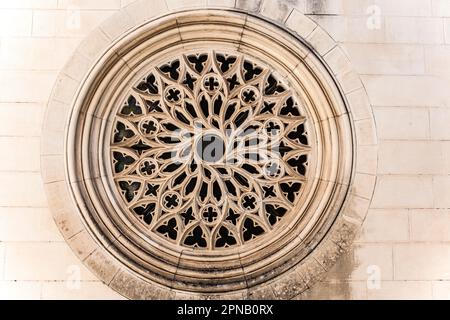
(400, 48)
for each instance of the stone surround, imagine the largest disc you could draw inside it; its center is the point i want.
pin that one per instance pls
(401, 57)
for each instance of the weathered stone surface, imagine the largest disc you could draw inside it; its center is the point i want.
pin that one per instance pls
(289, 286)
(402, 54)
(81, 171)
(135, 288)
(264, 292)
(103, 265)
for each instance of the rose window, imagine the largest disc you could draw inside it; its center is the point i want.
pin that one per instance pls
(206, 154)
(210, 150)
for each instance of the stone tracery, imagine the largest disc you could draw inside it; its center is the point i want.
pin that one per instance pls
(210, 150)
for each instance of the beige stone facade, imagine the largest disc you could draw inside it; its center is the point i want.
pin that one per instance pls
(399, 50)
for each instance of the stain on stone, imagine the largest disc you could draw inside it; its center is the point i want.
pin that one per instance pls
(261, 293)
(291, 2)
(250, 5)
(335, 284)
(315, 6)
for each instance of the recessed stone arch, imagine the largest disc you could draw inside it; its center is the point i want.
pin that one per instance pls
(118, 56)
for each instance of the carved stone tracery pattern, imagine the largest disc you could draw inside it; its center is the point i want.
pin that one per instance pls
(251, 123)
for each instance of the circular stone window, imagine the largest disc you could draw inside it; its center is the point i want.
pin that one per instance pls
(209, 153)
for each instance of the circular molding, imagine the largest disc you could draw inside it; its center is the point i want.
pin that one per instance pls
(92, 214)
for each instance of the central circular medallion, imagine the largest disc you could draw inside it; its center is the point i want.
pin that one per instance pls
(210, 148)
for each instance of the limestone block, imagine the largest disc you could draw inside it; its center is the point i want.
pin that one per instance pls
(401, 290)
(54, 145)
(23, 154)
(36, 53)
(406, 91)
(249, 5)
(276, 10)
(2, 260)
(366, 160)
(21, 119)
(357, 208)
(67, 23)
(396, 123)
(65, 89)
(441, 187)
(363, 30)
(50, 261)
(350, 81)
(368, 255)
(262, 293)
(420, 261)
(414, 30)
(375, 228)
(22, 20)
(144, 10)
(135, 288)
(20, 290)
(56, 119)
(338, 61)
(335, 26)
(124, 3)
(12, 83)
(291, 286)
(439, 119)
(331, 7)
(435, 58)
(412, 157)
(28, 224)
(386, 58)
(29, 4)
(119, 23)
(79, 69)
(441, 8)
(441, 290)
(321, 41)
(87, 4)
(82, 244)
(430, 225)
(447, 30)
(359, 104)
(221, 3)
(61, 204)
(179, 4)
(300, 24)
(403, 192)
(22, 189)
(102, 265)
(95, 45)
(358, 264)
(336, 290)
(366, 132)
(412, 8)
(92, 290)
